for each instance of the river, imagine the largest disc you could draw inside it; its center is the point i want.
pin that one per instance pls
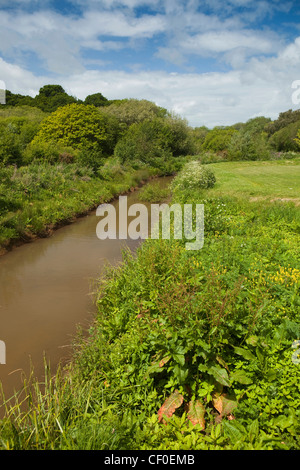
(46, 292)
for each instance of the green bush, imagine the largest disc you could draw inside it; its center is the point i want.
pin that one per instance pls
(16, 132)
(285, 139)
(218, 139)
(154, 140)
(131, 111)
(43, 152)
(245, 145)
(82, 127)
(10, 146)
(193, 176)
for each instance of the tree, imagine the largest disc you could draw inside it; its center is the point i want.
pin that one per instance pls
(199, 134)
(130, 111)
(158, 138)
(13, 99)
(286, 138)
(97, 99)
(286, 118)
(51, 97)
(82, 127)
(250, 142)
(297, 139)
(218, 139)
(51, 90)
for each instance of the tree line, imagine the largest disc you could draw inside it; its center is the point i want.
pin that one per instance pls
(55, 126)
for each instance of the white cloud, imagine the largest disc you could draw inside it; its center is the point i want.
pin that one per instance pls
(223, 41)
(115, 24)
(57, 40)
(257, 85)
(19, 80)
(261, 88)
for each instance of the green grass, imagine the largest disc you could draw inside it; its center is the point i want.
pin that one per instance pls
(269, 179)
(214, 327)
(34, 199)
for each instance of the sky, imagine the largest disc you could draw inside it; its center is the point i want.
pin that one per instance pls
(213, 62)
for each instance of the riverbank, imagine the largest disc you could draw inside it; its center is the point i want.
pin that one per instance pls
(46, 291)
(188, 350)
(40, 198)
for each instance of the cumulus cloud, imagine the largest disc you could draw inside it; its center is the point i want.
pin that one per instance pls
(203, 99)
(260, 64)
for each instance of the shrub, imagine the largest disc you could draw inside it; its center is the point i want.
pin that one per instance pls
(193, 176)
(133, 111)
(286, 138)
(81, 127)
(50, 152)
(142, 142)
(248, 146)
(152, 140)
(10, 146)
(218, 139)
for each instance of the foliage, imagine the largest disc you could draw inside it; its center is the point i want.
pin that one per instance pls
(154, 141)
(130, 111)
(80, 126)
(199, 134)
(218, 139)
(49, 98)
(256, 125)
(286, 138)
(153, 193)
(193, 176)
(284, 119)
(18, 126)
(297, 139)
(246, 146)
(96, 99)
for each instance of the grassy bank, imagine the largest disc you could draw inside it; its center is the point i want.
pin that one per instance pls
(37, 198)
(189, 349)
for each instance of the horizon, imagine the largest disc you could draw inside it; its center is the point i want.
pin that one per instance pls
(214, 63)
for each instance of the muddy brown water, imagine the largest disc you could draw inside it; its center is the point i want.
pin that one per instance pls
(46, 292)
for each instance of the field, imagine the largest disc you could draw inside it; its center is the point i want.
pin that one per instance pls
(268, 180)
(190, 349)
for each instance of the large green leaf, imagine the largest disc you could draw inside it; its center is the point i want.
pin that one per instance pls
(241, 377)
(245, 353)
(220, 375)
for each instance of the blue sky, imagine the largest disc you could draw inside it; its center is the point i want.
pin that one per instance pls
(213, 62)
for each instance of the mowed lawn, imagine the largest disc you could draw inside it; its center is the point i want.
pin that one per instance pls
(268, 179)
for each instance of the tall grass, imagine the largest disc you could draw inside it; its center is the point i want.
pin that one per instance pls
(213, 324)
